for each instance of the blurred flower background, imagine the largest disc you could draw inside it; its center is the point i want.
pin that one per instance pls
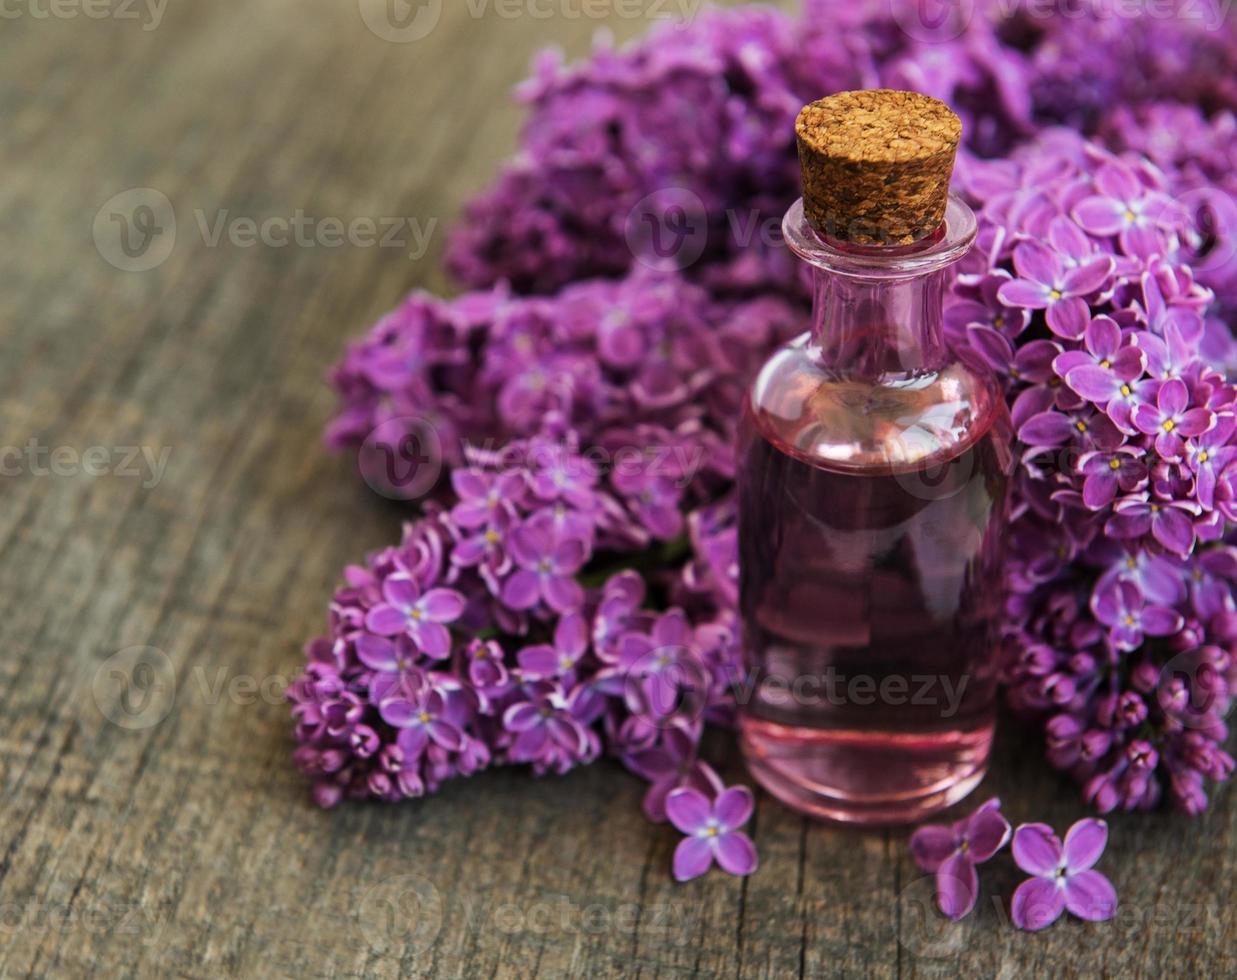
(566, 583)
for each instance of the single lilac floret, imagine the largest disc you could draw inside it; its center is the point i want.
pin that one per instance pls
(952, 852)
(712, 829)
(1063, 875)
(421, 616)
(1046, 283)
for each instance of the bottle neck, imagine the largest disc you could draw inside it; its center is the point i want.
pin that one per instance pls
(877, 312)
(878, 328)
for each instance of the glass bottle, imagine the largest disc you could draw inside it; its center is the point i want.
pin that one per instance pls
(872, 505)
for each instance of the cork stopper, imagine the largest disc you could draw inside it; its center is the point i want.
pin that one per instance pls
(876, 165)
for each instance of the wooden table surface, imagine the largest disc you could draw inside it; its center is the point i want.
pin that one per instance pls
(165, 488)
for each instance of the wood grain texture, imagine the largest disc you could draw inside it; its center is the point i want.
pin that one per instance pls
(181, 843)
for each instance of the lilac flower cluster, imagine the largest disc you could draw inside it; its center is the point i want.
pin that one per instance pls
(570, 588)
(646, 372)
(1121, 613)
(476, 641)
(709, 108)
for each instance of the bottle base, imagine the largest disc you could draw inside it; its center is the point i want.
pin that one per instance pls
(866, 778)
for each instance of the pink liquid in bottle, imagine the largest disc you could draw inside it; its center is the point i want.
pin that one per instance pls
(872, 505)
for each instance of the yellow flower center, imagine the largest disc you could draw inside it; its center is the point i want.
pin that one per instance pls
(491, 536)
(424, 716)
(1169, 425)
(1202, 456)
(1130, 215)
(711, 832)
(1125, 390)
(1114, 464)
(1129, 620)
(1105, 363)
(1080, 425)
(1055, 294)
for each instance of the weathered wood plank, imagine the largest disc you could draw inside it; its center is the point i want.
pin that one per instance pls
(180, 843)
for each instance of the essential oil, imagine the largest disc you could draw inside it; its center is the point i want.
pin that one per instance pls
(872, 489)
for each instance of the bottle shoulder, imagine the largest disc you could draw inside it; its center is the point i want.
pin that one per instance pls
(859, 424)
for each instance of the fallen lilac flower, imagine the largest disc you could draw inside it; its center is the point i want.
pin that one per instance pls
(1063, 875)
(712, 829)
(952, 852)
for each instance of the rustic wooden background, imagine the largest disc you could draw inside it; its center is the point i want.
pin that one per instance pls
(177, 840)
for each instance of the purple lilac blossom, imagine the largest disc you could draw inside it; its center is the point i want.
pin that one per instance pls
(952, 852)
(1115, 508)
(1064, 875)
(706, 110)
(712, 829)
(591, 428)
(383, 714)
